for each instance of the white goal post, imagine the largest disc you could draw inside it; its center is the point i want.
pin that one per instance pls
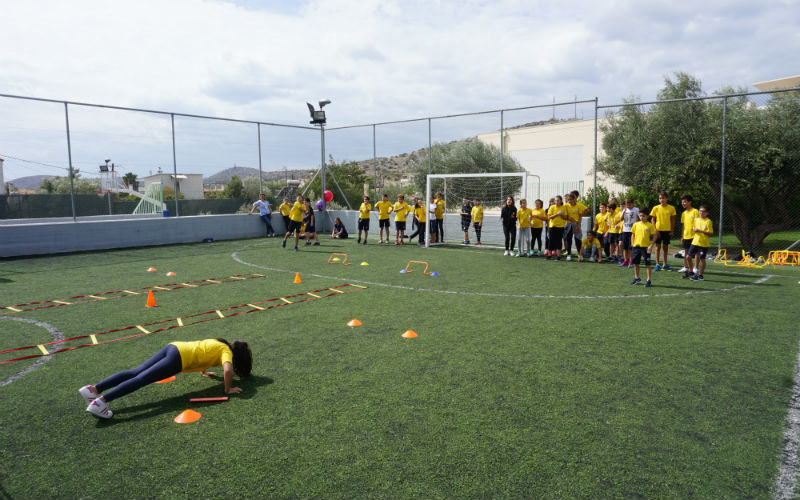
(476, 178)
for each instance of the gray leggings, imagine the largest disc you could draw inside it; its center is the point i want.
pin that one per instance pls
(524, 239)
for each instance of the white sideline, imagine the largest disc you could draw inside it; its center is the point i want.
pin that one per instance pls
(786, 481)
(57, 335)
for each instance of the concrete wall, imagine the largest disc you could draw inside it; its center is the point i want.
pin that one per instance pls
(35, 237)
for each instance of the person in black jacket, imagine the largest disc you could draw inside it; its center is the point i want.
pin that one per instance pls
(508, 216)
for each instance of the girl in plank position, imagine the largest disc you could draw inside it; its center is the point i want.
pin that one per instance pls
(176, 357)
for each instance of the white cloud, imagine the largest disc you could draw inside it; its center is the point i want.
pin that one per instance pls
(381, 60)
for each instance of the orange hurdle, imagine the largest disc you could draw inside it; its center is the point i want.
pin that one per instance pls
(332, 259)
(425, 272)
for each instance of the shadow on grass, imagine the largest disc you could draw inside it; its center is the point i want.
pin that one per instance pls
(176, 404)
(5, 280)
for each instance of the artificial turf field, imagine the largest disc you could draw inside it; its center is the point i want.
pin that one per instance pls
(529, 378)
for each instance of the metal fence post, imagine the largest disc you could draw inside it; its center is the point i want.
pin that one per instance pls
(260, 174)
(722, 174)
(502, 152)
(594, 187)
(174, 165)
(69, 158)
(374, 165)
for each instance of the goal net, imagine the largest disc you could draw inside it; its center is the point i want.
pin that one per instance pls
(490, 189)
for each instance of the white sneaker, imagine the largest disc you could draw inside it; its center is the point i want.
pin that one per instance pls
(87, 393)
(683, 269)
(516, 254)
(569, 257)
(696, 270)
(99, 409)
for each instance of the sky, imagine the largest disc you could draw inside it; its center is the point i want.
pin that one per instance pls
(376, 60)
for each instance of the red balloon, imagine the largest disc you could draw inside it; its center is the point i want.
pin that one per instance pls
(328, 195)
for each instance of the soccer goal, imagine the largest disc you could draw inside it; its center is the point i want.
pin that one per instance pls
(490, 189)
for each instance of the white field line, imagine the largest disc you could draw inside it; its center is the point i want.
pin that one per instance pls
(57, 335)
(786, 481)
(763, 279)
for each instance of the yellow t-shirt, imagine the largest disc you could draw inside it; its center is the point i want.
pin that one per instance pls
(401, 210)
(572, 212)
(557, 221)
(477, 214)
(439, 212)
(663, 217)
(384, 208)
(687, 221)
(203, 354)
(614, 221)
(284, 208)
(420, 213)
(524, 217)
(587, 244)
(601, 220)
(642, 233)
(700, 239)
(536, 222)
(581, 209)
(365, 209)
(297, 211)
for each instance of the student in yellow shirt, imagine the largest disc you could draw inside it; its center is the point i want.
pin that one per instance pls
(538, 219)
(283, 209)
(296, 214)
(614, 220)
(664, 221)
(401, 210)
(688, 217)
(477, 219)
(419, 218)
(363, 219)
(600, 227)
(642, 235)
(591, 248)
(439, 215)
(176, 357)
(582, 211)
(384, 208)
(557, 217)
(571, 227)
(524, 220)
(700, 242)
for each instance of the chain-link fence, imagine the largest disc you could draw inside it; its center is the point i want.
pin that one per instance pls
(738, 154)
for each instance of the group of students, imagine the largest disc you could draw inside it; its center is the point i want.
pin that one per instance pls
(471, 216)
(624, 233)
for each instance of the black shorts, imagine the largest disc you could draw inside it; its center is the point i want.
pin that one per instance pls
(310, 229)
(363, 224)
(686, 243)
(434, 226)
(626, 241)
(294, 226)
(639, 253)
(613, 238)
(383, 223)
(663, 238)
(400, 225)
(696, 250)
(465, 224)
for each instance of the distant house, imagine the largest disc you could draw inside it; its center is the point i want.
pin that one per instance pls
(191, 185)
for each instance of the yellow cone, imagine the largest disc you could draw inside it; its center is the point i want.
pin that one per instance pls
(364, 263)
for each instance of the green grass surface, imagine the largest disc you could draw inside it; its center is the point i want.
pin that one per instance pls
(529, 379)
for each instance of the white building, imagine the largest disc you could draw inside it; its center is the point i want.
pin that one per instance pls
(191, 185)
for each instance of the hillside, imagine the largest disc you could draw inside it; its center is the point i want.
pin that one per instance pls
(224, 176)
(30, 182)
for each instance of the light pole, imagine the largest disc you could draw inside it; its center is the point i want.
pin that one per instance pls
(109, 182)
(318, 118)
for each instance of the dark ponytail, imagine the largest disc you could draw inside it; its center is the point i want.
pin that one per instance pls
(242, 357)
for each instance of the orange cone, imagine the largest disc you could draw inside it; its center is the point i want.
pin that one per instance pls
(151, 301)
(409, 334)
(187, 417)
(354, 322)
(151, 269)
(166, 380)
(297, 278)
(170, 273)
